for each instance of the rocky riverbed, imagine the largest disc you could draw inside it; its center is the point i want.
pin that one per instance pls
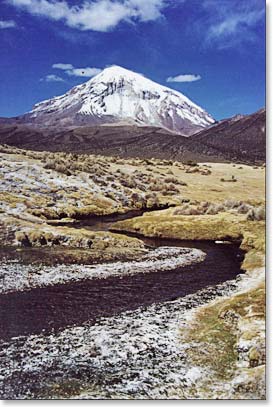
(17, 277)
(133, 355)
(137, 354)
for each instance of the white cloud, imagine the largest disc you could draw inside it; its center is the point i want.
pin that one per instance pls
(184, 78)
(62, 66)
(97, 15)
(86, 72)
(147, 10)
(70, 70)
(7, 24)
(234, 22)
(52, 78)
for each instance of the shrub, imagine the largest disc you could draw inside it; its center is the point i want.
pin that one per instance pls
(192, 163)
(205, 204)
(205, 171)
(166, 193)
(230, 204)
(55, 165)
(213, 209)
(244, 208)
(128, 182)
(157, 186)
(232, 179)
(256, 214)
(187, 210)
(174, 180)
(171, 187)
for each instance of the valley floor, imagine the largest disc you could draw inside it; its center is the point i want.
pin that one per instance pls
(210, 344)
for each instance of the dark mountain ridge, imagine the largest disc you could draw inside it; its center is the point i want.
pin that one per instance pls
(238, 139)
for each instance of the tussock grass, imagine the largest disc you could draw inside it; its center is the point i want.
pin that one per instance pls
(211, 343)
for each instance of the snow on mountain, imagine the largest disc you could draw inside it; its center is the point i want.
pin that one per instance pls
(119, 95)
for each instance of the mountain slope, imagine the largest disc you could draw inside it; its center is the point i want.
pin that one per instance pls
(236, 139)
(240, 138)
(119, 95)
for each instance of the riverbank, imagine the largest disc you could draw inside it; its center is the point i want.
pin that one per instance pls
(16, 277)
(228, 335)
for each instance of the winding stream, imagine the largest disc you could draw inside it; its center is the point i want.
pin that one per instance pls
(108, 338)
(50, 309)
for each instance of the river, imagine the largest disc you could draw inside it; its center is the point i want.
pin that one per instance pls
(50, 309)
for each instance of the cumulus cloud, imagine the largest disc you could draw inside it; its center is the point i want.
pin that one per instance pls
(97, 15)
(184, 78)
(7, 24)
(52, 78)
(70, 70)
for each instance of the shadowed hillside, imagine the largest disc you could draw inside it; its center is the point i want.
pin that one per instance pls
(239, 139)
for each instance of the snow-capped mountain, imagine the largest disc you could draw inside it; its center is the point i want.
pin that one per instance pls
(117, 95)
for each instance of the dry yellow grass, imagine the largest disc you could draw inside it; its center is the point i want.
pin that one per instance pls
(222, 226)
(213, 339)
(250, 185)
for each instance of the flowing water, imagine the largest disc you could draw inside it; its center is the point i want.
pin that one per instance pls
(49, 309)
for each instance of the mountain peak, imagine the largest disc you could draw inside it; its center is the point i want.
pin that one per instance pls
(117, 94)
(117, 70)
(117, 73)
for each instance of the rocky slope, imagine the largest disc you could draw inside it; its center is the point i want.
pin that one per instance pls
(239, 138)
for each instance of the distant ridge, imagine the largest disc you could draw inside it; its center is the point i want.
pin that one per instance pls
(239, 140)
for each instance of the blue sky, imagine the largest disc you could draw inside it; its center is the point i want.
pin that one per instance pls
(213, 51)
